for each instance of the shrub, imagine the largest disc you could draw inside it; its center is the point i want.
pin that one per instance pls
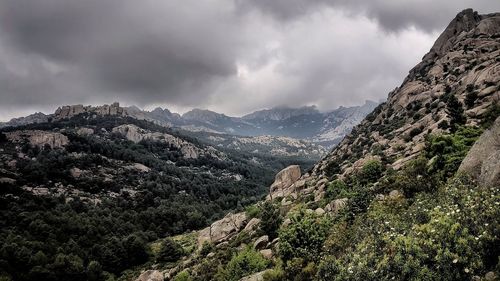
(270, 219)
(371, 172)
(183, 276)
(304, 237)
(242, 264)
(170, 251)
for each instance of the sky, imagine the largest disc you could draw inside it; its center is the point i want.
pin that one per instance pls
(230, 56)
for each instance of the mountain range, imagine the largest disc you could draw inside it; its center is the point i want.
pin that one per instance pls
(308, 123)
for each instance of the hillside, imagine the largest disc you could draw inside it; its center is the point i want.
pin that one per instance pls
(96, 188)
(410, 194)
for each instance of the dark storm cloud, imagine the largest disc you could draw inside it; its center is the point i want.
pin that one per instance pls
(232, 56)
(152, 49)
(393, 15)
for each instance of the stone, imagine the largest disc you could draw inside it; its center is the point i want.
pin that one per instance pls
(336, 205)
(150, 275)
(222, 229)
(267, 253)
(483, 159)
(395, 194)
(85, 131)
(141, 168)
(490, 276)
(261, 242)
(283, 180)
(259, 276)
(319, 211)
(75, 172)
(7, 180)
(253, 223)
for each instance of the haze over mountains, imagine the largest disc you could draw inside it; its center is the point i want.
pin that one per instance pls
(308, 123)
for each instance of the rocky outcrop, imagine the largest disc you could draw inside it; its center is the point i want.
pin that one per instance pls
(284, 181)
(483, 160)
(150, 275)
(188, 150)
(38, 138)
(69, 111)
(222, 229)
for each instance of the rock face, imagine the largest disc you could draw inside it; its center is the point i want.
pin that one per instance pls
(69, 111)
(39, 138)
(483, 160)
(222, 229)
(284, 180)
(462, 65)
(150, 275)
(188, 150)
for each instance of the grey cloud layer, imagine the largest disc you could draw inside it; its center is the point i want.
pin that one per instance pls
(228, 55)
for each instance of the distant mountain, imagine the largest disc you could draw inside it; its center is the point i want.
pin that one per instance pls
(306, 122)
(281, 113)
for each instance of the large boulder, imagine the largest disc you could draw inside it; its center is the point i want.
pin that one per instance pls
(261, 242)
(483, 160)
(150, 275)
(222, 229)
(39, 138)
(284, 180)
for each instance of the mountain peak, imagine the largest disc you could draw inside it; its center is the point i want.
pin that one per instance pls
(281, 113)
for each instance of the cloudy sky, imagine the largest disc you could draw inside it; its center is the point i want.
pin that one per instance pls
(231, 56)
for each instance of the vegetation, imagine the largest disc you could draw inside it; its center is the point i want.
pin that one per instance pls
(97, 227)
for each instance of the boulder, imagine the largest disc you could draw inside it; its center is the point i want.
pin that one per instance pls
(222, 229)
(150, 275)
(85, 131)
(395, 194)
(483, 159)
(283, 180)
(7, 180)
(336, 205)
(490, 276)
(266, 253)
(259, 276)
(252, 224)
(75, 172)
(261, 242)
(39, 138)
(319, 211)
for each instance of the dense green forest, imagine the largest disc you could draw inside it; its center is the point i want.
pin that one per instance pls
(72, 238)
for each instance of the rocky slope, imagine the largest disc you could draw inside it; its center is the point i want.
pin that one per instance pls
(390, 201)
(463, 63)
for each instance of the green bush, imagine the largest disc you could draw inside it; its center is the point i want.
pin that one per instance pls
(242, 264)
(371, 172)
(170, 251)
(183, 276)
(270, 219)
(304, 237)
